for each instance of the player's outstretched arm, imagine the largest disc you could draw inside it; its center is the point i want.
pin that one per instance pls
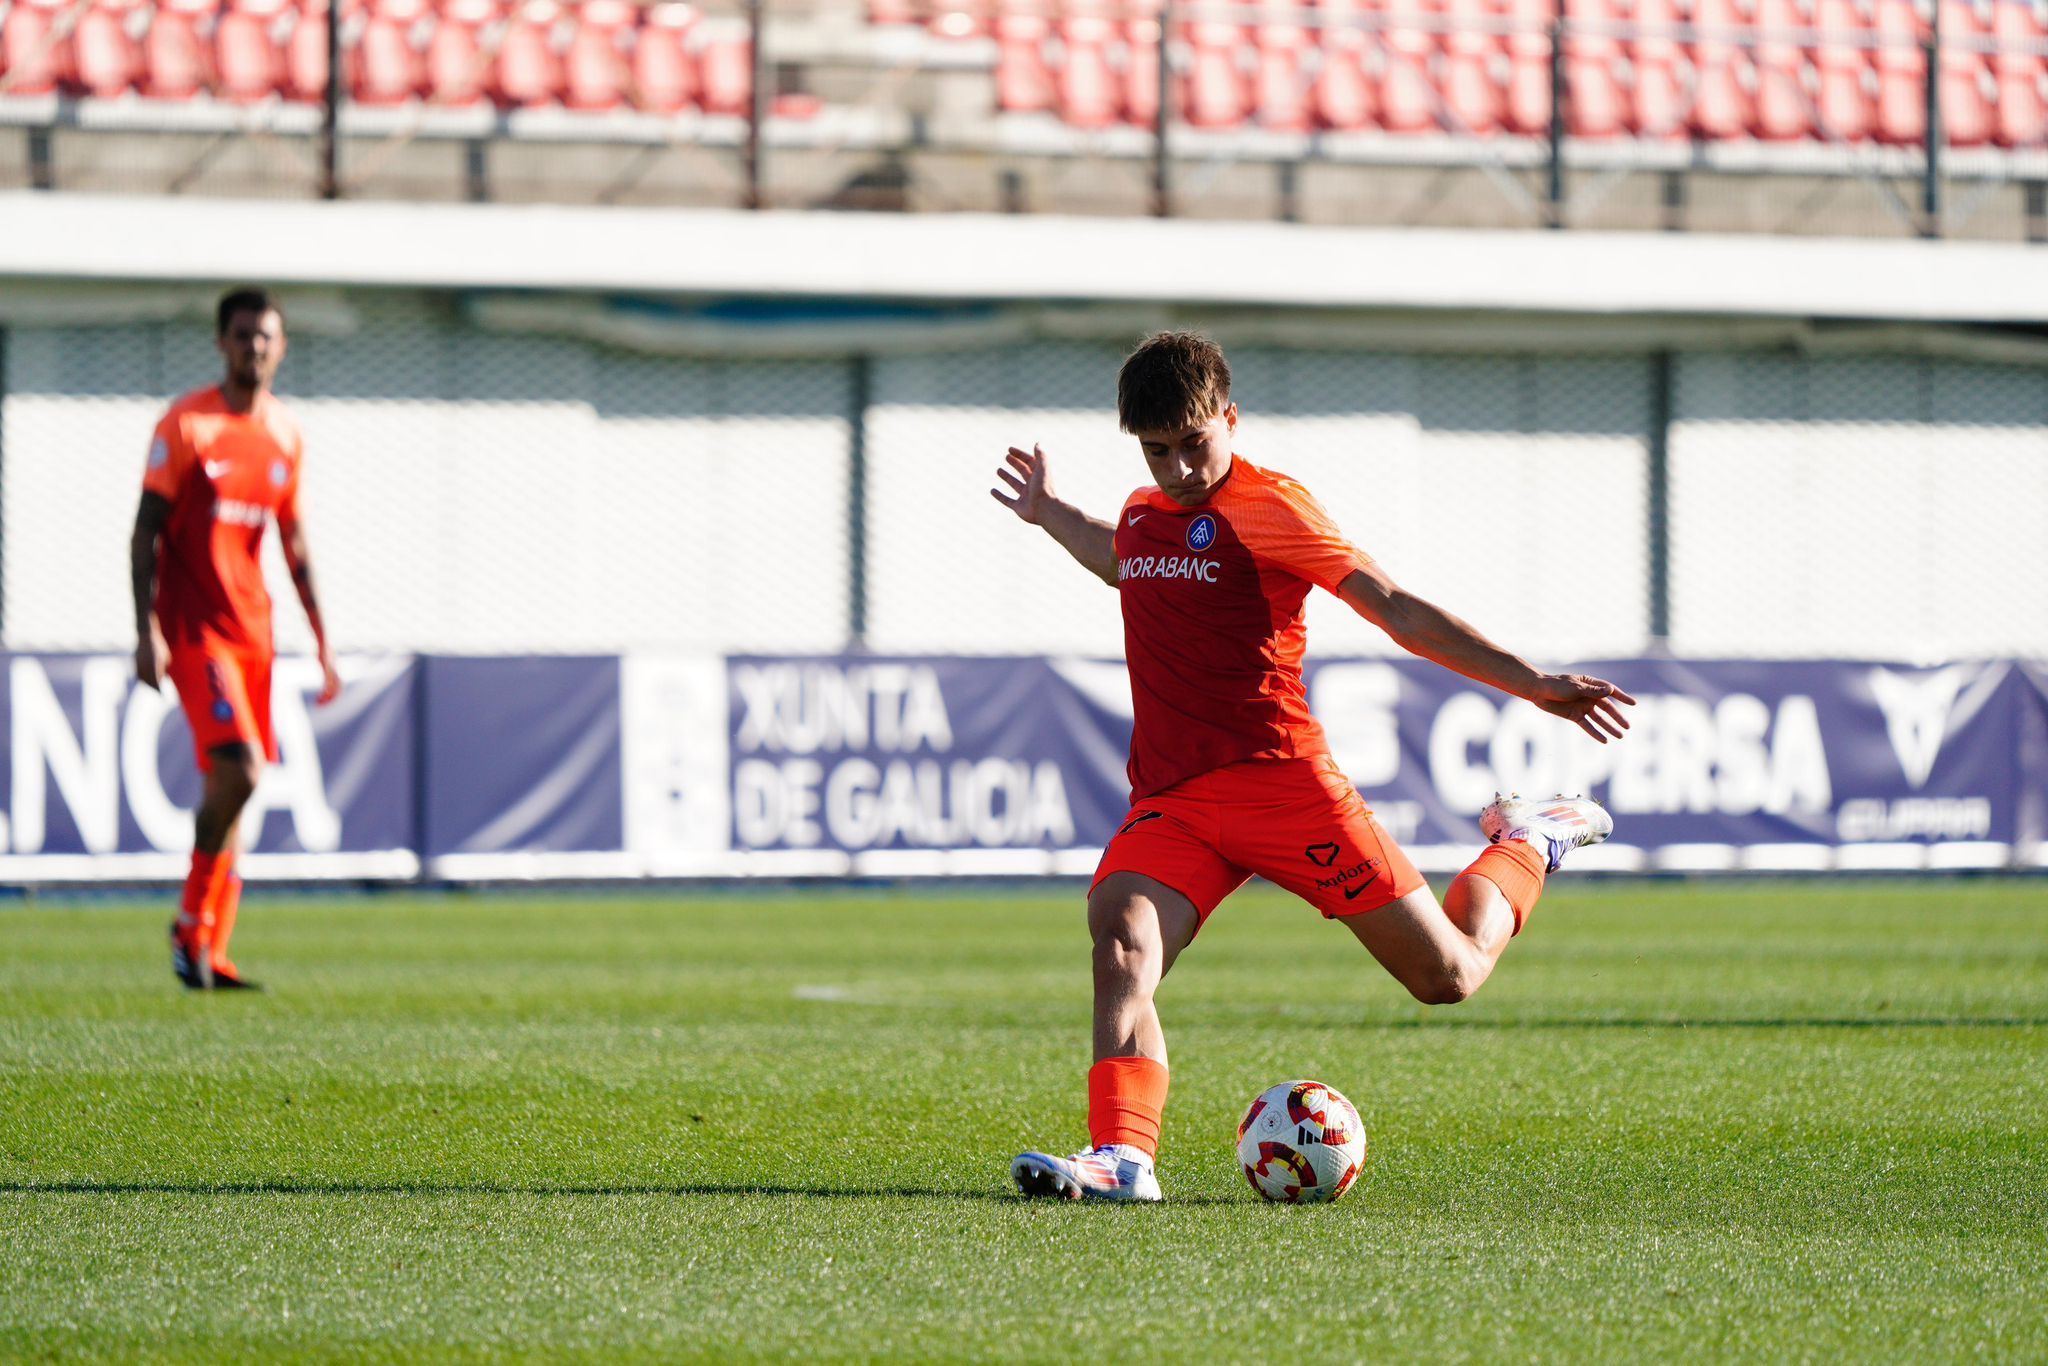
(1422, 628)
(1030, 496)
(150, 519)
(298, 558)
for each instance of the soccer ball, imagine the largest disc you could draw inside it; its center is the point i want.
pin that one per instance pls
(1301, 1143)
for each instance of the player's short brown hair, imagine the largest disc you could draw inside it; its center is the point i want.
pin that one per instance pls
(248, 299)
(1173, 381)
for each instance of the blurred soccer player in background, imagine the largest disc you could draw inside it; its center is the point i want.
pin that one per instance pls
(1230, 774)
(224, 462)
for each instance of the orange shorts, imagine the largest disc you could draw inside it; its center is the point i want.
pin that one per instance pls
(225, 692)
(1295, 822)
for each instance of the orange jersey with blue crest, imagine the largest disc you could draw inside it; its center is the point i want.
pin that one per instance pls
(225, 475)
(1213, 624)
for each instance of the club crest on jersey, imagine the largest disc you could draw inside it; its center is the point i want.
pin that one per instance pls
(1202, 532)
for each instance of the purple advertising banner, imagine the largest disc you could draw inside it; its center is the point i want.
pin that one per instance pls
(99, 778)
(520, 755)
(1728, 764)
(932, 753)
(609, 767)
(1721, 754)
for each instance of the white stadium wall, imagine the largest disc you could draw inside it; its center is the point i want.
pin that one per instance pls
(466, 491)
(1858, 505)
(479, 491)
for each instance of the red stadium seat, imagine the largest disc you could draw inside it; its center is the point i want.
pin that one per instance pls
(1341, 97)
(528, 73)
(1473, 52)
(458, 69)
(1528, 44)
(388, 67)
(1724, 74)
(1901, 74)
(725, 68)
(664, 77)
(1784, 112)
(1598, 107)
(176, 61)
(305, 53)
(1140, 83)
(2022, 75)
(1844, 80)
(1966, 103)
(1086, 81)
(1024, 79)
(1216, 94)
(36, 56)
(594, 68)
(305, 50)
(1661, 99)
(1408, 88)
(248, 60)
(1280, 85)
(109, 52)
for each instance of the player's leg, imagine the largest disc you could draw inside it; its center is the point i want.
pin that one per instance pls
(1301, 824)
(1138, 922)
(1443, 955)
(1138, 926)
(226, 732)
(227, 905)
(248, 759)
(231, 773)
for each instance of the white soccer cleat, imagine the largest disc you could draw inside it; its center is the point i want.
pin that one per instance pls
(1115, 1171)
(1556, 825)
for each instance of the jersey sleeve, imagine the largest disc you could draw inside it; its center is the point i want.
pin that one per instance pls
(1289, 528)
(170, 459)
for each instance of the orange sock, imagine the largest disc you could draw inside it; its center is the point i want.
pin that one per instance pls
(227, 899)
(1517, 869)
(196, 905)
(1126, 1097)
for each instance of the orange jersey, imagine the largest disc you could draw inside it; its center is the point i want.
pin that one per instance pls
(1213, 627)
(225, 474)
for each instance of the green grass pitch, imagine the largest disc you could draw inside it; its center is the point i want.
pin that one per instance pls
(1775, 1121)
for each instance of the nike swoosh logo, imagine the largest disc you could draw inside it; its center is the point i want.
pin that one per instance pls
(1136, 518)
(1351, 893)
(216, 468)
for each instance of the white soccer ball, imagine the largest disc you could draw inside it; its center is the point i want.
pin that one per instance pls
(1301, 1143)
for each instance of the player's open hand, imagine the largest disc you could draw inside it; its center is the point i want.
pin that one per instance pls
(330, 679)
(149, 658)
(1024, 474)
(1589, 703)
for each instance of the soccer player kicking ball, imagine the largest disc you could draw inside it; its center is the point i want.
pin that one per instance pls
(1230, 774)
(224, 462)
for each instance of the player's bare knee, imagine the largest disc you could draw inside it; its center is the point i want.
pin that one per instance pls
(232, 778)
(1123, 947)
(1444, 984)
(1126, 938)
(238, 784)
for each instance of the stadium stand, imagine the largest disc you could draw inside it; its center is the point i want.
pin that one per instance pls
(1836, 71)
(1833, 89)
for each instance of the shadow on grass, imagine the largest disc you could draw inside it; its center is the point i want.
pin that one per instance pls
(318, 1187)
(1438, 1021)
